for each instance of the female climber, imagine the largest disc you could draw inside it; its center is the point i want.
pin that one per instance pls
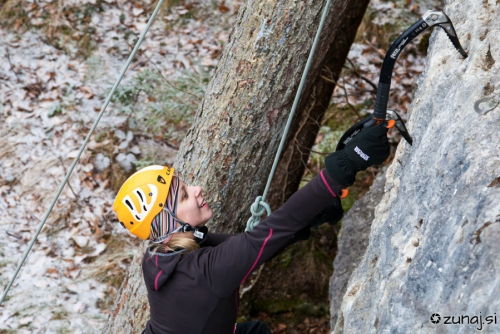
(192, 276)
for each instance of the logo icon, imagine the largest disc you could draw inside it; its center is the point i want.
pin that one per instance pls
(361, 153)
(435, 318)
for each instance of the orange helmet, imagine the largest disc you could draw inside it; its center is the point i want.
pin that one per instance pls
(142, 197)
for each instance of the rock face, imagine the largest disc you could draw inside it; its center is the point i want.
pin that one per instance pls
(433, 246)
(353, 241)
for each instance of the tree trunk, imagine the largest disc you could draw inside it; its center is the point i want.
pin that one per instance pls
(308, 272)
(231, 146)
(434, 240)
(304, 131)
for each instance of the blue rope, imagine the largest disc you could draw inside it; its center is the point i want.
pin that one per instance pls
(108, 99)
(260, 206)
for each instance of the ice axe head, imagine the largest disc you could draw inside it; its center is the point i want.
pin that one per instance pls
(442, 20)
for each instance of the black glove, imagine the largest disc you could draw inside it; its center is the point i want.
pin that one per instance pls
(369, 147)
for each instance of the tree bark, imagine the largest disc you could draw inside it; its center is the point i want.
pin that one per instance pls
(304, 130)
(231, 146)
(311, 284)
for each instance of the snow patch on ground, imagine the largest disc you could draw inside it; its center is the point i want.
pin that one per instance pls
(49, 98)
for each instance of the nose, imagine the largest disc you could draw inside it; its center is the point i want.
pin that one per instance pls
(198, 191)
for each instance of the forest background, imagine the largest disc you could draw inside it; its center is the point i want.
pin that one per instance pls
(59, 59)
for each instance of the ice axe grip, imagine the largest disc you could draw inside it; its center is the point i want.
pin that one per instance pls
(382, 100)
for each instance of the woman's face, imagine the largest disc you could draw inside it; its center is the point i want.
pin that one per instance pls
(189, 205)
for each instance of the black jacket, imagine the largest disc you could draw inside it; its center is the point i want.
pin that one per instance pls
(197, 292)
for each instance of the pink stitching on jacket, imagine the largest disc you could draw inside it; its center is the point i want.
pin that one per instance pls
(156, 279)
(258, 257)
(327, 185)
(156, 261)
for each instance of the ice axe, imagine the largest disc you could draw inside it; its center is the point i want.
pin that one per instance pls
(381, 113)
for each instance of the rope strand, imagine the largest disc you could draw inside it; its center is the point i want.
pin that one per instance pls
(260, 201)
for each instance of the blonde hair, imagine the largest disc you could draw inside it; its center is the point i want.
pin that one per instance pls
(175, 244)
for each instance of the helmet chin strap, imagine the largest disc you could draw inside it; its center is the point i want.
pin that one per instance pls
(198, 232)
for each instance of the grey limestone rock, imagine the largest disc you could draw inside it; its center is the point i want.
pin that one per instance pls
(434, 243)
(352, 242)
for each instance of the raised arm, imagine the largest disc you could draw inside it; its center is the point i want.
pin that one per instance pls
(229, 264)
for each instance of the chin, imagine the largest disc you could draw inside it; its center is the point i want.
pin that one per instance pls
(206, 221)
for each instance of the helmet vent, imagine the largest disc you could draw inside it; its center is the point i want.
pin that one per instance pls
(161, 179)
(132, 223)
(136, 202)
(129, 205)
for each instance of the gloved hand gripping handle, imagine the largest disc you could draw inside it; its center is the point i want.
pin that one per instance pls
(380, 114)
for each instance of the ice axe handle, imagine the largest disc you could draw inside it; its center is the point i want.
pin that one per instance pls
(382, 101)
(384, 83)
